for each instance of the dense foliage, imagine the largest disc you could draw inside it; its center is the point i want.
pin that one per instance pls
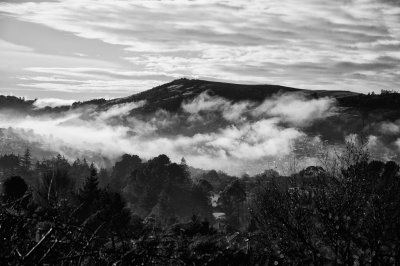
(385, 100)
(153, 212)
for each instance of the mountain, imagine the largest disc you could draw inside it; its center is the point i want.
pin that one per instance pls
(170, 96)
(234, 127)
(355, 112)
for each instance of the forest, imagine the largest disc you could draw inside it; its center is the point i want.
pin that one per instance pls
(55, 212)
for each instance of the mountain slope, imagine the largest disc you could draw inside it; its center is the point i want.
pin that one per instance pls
(170, 96)
(241, 127)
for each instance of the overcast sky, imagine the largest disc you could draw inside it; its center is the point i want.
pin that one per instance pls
(80, 49)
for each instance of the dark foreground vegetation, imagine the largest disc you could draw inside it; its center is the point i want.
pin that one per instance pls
(346, 212)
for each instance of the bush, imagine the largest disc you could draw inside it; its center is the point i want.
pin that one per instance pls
(351, 217)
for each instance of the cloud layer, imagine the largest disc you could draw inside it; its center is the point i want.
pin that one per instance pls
(245, 142)
(52, 102)
(118, 47)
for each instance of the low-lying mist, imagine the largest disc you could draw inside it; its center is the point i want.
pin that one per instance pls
(241, 137)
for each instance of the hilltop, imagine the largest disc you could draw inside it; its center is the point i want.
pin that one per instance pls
(170, 96)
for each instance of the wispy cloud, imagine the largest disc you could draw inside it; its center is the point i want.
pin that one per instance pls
(52, 102)
(390, 128)
(317, 44)
(244, 143)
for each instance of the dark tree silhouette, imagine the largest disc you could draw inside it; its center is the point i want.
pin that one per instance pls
(26, 160)
(231, 201)
(122, 171)
(205, 186)
(90, 190)
(14, 188)
(350, 216)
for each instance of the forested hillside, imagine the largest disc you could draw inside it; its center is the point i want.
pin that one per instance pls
(155, 212)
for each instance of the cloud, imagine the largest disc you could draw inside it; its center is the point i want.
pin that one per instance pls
(119, 110)
(207, 103)
(318, 44)
(244, 144)
(379, 149)
(95, 82)
(293, 108)
(52, 102)
(296, 109)
(390, 128)
(12, 47)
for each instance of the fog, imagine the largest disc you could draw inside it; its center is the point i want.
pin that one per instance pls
(254, 136)
(51, 102)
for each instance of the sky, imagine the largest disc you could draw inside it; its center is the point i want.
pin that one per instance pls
(82, 49)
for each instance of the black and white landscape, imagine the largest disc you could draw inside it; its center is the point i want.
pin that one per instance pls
(155, 132)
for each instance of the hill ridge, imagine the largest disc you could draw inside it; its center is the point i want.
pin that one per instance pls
(169, 96)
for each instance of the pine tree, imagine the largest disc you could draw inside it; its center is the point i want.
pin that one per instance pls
(26, 160)
(90, 190)
(183, 161)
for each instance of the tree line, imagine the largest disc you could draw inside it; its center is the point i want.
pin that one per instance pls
(344, 212)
